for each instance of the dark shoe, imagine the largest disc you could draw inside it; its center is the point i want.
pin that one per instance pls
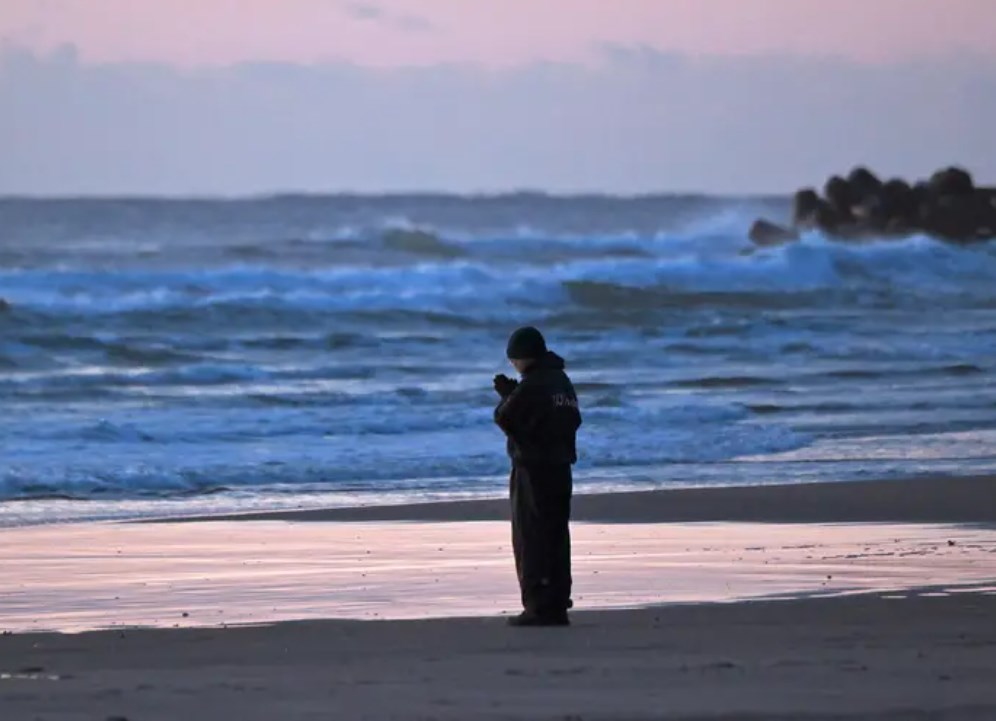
(531, 619)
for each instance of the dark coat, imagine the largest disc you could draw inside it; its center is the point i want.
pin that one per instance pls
(541, 416)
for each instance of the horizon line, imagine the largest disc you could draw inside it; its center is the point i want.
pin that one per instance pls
(387, 195)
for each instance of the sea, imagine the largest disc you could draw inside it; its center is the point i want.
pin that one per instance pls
(170, 357)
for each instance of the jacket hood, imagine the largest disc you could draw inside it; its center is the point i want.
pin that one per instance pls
(550, 361)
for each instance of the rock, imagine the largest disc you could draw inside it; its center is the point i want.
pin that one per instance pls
(767, 234)
(870, 213)
(838, 193)
(829, 220)
(920, 191)
(855, 232)
(984, 216)
(4, 305)
(952, 181)
(898, 195)
(805, 206)
(811, 212)
(860, 207)
(897, 207)
(959, 219)
(863, 183)
(900, 227)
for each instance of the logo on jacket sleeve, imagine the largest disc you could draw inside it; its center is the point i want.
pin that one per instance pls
(565, 400)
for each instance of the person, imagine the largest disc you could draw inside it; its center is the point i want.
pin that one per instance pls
(540, 416)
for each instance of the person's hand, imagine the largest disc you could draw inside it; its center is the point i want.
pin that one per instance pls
(505, 385)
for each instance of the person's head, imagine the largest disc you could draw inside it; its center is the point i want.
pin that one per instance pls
(525, 347)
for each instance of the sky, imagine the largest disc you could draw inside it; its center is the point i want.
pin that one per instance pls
(232, 97)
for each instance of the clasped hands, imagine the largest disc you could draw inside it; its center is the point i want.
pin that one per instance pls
(505, 385)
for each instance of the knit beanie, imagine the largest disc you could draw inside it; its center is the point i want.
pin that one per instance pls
(526, 344)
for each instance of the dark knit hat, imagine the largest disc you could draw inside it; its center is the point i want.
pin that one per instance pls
(526, 344)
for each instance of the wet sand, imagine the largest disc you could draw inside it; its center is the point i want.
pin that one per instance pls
(905, 631)
(77, 578)
(916, 500)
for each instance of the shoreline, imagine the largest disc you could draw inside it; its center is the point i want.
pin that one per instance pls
(957, 499)
(445, 560)
(722, 619)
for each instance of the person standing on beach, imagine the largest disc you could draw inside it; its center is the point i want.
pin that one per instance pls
(540, 417)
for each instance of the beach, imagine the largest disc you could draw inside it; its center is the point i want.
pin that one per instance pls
(850, 658)
(287, 287)
(789, 602)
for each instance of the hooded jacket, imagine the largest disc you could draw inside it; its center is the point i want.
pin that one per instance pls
(541, 416)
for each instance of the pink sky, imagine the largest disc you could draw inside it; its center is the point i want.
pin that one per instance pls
(493, 32)
(771, 100)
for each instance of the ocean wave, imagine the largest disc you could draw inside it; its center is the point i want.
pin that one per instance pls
(385, 439)
(355, 463)
(814, 272)
(34, 350)
(618, 298)
(147, 355)
(421, 243)
(159, 480)
(914, 407)
(431, 287)
(325, 344)
(727, 382)
(105, 430)
(906, 370)
(111, 376)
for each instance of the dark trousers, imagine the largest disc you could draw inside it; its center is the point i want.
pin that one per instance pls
(541, 539)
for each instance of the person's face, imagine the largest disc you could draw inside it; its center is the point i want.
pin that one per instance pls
(520, 364)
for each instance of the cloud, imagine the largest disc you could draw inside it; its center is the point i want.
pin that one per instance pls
(415, 23)
(634, 122)
(368, 12)
(363, 11)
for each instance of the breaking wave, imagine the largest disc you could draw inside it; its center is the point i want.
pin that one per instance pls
(171, 349)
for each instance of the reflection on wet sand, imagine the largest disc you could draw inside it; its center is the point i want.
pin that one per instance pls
(74, 578)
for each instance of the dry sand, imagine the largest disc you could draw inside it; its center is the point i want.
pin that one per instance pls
(847, 658)
(878, 655)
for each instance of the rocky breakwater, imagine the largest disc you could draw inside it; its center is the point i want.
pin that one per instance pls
(947, 206)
